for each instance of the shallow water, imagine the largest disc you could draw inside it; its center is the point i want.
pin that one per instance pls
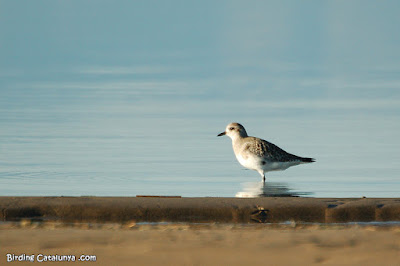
(85, 110)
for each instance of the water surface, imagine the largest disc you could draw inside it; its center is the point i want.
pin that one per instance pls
(132, 104)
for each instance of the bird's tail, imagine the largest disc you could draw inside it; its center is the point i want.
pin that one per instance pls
(307, 160)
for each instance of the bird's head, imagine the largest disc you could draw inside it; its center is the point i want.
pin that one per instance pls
(234, 130)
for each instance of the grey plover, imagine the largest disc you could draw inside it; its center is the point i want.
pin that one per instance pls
(258, 154)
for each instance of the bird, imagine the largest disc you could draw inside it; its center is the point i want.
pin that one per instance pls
(258, 154)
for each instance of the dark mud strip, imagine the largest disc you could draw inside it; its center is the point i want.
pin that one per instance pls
(198, 210)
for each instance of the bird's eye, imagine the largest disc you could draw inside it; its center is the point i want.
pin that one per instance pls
(231, 128)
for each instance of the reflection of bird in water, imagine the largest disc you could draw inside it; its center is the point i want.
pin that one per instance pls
(258, 154)
(268, 189)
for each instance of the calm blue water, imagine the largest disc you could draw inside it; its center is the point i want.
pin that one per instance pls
(131, 104)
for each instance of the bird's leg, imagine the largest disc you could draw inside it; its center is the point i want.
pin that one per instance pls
(264, 178)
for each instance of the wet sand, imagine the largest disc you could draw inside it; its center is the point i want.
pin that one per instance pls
(194, 210)
(201, 231)
(208, 244)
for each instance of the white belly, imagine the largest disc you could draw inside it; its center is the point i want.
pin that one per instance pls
(250, 163)
(278, 166)
(257, 163)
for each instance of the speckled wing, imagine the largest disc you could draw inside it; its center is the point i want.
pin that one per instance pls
(270, 151)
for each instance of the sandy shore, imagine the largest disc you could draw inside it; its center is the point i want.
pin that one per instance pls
(185, 244)
(223, 210)
(201, 231)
